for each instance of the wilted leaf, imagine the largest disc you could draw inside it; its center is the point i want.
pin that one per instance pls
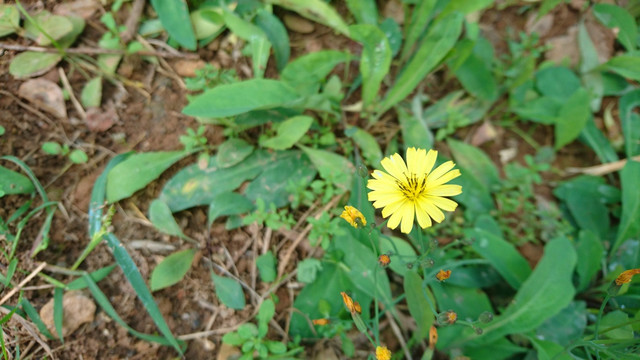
(44, 94)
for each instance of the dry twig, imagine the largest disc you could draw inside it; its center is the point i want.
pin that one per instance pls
(99, 51)
(603, 169)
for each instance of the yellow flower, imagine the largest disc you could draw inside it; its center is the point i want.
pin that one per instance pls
(413, 189)
(433, 337)
(353, 216)
(443, 275)
(382, 353)
(320, 322)
(348, 302)
(626, 276)
(384, 260)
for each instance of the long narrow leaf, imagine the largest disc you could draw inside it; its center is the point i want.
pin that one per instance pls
(58, 311)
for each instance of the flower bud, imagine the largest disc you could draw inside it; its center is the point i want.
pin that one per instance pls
(485, 317)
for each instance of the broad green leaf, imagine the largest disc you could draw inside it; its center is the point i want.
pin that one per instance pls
(476, 77)
(619, 320)
(307, 72)
(233, 151)
(475, 196)
(588, 53)
(625, 65)
(31, 63)
(573, 117)
(546, 292)
(502, 255)
(613, 16)
(277, 35)
(630, 122)
(308, 270)
(124, 261)
(266, 264)
(77, 26)
(91, 95)
(289, 132)
(137, 171)
(557, 82)
(58, 312)
(590, 252)
(499, 349)
(593, 137)
(375, 59)
(464, 6)
(468, 303)
(415, 131)
(418, 303)
(272, 185)
(237, 98)
(567, 326)
(331, 166)
(475, 162)
(543, 110)
(419, 19)
(549, 350)
(365, 11)
(367, 143)
(12, 182)
(228, 203)
(316, 10)
(259, 45)
(172, 269)
(401, 252)
(265, 314)
(586, 203)
(9, 19)
(162, 218)
(324, 290)
(207, 22)
(393, 32)
(439, 40)
(229, 291)
(174, 15)
(52, 26)
(629, 224)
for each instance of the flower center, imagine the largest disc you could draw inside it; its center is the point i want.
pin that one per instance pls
(413, 187)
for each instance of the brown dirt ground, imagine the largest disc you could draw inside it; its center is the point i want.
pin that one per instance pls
(150, 120)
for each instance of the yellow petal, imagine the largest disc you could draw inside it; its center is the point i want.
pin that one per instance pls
(433, 211)
(394, 220)
(444, 178)
(443, 203)
(395, 166)
(392, 208)
(407, 217)
(423, 218)
(445, 190)
(440, 170)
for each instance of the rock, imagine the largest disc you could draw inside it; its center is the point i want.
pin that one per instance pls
(187, 68)
(298, 24)
(77, 310)
(46, 95)
(394, 10)
(227, 352)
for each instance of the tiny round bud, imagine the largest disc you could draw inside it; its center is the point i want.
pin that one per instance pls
(363, 171)
(447, 318)
(410, 266)
(485, 317)
(427, 263)
(478, 330)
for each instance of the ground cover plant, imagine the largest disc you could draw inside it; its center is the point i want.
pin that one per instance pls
(289, 179)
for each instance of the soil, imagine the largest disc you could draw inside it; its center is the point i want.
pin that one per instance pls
(150, 119)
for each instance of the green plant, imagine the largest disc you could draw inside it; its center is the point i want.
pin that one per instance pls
(251, 338)
(76, 156)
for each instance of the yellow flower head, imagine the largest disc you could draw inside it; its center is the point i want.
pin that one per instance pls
(626, 276)
(433, 337)
(384, 260)
(348, 302)
(413, 189)
(382, 353)
(353, 216)
(443, 275)
(320, 322)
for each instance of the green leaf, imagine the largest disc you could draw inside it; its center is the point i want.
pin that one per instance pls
(31, 63)
(418, 303)
(226, 204)
(91, 95)
(207, 22)
(586, 203)
(613, 16)
(439, 40)
(289, 132)
(96, 276)
(590, 252)
(266, 264)
(593, 137)
(549, 350)
(468, 303)
(415, 131)
(402, 253)
(629, 224)
(475, 73)
(547, 291)
(52, 26)
(567, 326)
(172, 269)
(464, 7)
(12, 182)
(316, 10)
(237, 98)
(265, 314)
(277, 35)
(364, 11)
(588, 54)
(630, 120)
(58, 311)
(625, 65)
(137, 171)
(419, 19)
(233, 151)
(307, 72)
(374, 61)
(125, 262)
(331, 166)
(9, 19)
(259, 45)
(229, 292)
(368, 145)
(619, 320)
(475, 196)
(393, 32)
(475, 162)
(557, 82)
(502, 255)
(162, 218)
(78, 156)
(573, 117)
(174, 15)
(308, 270)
